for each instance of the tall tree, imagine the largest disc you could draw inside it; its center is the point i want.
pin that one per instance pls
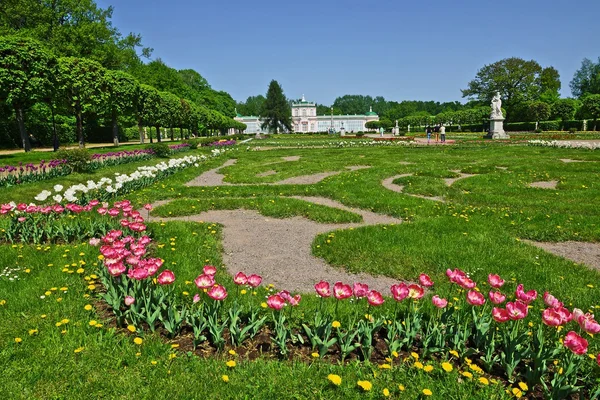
(517, 81)
(25, 77)
(564, 109)
(538, 111)
(586, 79)
(81, 83)
(276, 113)
(121, 90)
(549, 85)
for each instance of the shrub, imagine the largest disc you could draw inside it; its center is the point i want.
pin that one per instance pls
(192, 143)
(160, 149)
(78, 159)
(538, 130)
(549, 125)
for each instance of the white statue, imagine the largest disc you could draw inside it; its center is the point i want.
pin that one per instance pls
(496, 106)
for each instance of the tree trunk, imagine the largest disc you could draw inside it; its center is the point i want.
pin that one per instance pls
(115, 128)
(181, 132)
(149, 134)
(141, 131)
(158, 138)
(172, 133)
(55, 143)
(22, 130)
(79, 126)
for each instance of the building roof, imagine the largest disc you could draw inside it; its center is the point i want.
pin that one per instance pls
(371, 112)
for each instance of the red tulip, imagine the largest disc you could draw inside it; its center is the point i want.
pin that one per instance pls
(399, 291)
(425, 280)
(517, 310)
(551, 301)
(495, 281)
(375, 298)
(240, 278)
(475, 298)
(496, 297)
(360, 290)
(525, 297)
(323, 289)
(254, 280)
(439, 302)
(500, 314)
(341, 291)
(204, 281)
(576, 343)
(551, 318)
(217, 292)
(275, 302)
(415, 291)
(209, 270)
(166, 277)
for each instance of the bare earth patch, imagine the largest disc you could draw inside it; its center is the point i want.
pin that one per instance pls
(291, 158)
(544, 184)
(211, 177)
(280, 249)
(579, 252)
(405, 162)
(266, 173)
(389, 184)
(450, 181)
(568, 160)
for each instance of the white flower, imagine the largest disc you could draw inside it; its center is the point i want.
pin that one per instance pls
(57, 198)
(58, 188)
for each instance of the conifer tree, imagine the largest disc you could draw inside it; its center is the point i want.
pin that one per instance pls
(276, 113)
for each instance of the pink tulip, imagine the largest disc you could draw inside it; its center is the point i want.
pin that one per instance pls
(551, 301)
(148, 206)
(209, 270)
(254, 280)
(517, 310)
(375, 298)
(294, 301)
(565, 314)
(21, 219)
(495, 281)
(415, 291)
(551, 318)
(500, 314)
(360, 290)
(217, 292)
(94, 242)
(113, 212)
(341, 291)
(590, 326)
(129, 300)
(465, 282)
(240, 278)
(275, 302)
(138, 273)
(496, 297)
(525, 297)
(578, 315)
(196, 298)
(575, 343)
(475, 298)
(166, 277)
(399, 291)
(454, 275)
(425, 280)
(439, 302)
(598, 359)
(204, 281)
(323, 289)
(101, 210)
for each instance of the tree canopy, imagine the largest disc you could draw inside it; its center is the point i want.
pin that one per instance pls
(276, 113)
(586, 79)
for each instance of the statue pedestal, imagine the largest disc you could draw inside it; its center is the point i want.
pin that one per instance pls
(497, 129)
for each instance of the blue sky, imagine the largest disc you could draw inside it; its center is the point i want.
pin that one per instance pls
(401, 50)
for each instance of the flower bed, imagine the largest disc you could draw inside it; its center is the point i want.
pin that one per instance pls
(222, 143)
(565, 145)
(119, 157)
(15, 175)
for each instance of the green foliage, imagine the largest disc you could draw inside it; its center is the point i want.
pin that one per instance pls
(160, 149)
(193, 143)
(538, 111)
(252, 106)
(276, 113)
(586, 79)
(564, 109)
(549, 85)
(78, 159)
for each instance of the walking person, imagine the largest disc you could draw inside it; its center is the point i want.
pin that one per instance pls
(443, 133)
(428, 130)
(436, 130)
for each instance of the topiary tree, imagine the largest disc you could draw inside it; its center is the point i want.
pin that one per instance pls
(538, 111)
(26, 68)
(564, 109)
(121, 90)
(591, 107)
(372, 125)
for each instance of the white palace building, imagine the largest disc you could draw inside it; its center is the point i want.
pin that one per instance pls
(305, 119)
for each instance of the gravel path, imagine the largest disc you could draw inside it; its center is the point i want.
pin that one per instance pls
(280, 249)
(544, 184)
(580, 252)
(389, 184)
(450, 181)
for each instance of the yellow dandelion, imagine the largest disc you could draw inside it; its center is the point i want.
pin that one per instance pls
(385, 366)
(517, 393)
(428, 368)
(172, 356)
(88, 307)
(335, 379)
(523, 386)
(476, 368)
(418, 365)
(2, 302)
(454, 353)
(365, 385)
(401, 388)
(395, 354)
(33, 332)
(78, 350)
(225, 378)
(446, 366)
(484, 381)
(18, 340)
(315, 355)
(131, 328)
(263, 305)
(231, 363)
(427, 392)
(467, 374)
(232, 352)
(336, 324)
(153, 362)
(415, 356)
(138, 340)
(243, 291)
(386, 392)
(175, 346)
(92, 323)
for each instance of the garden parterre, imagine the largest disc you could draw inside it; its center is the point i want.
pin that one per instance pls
(477, 231)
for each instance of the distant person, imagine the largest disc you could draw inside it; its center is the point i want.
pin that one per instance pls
(428, 131)
(443, 133)
(436, 130)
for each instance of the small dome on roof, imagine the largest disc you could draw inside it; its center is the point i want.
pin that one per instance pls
(371, 112)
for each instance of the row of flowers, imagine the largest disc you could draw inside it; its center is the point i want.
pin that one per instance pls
(490, 327)
(565, 144)
(339, 143)
(107, 188)
(14, 175)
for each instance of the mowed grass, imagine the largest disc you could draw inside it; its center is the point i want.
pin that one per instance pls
(480, 229)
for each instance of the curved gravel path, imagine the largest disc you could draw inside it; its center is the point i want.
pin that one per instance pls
(389, 184)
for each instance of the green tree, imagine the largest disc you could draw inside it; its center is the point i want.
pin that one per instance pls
(549, 85)
(81, 83)
(586, 79)
(121, 90)
(538, 111)
(252, 106)
(590, 106)
(564, 109)
(25, 77)
(517, 81)
(276, 113)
